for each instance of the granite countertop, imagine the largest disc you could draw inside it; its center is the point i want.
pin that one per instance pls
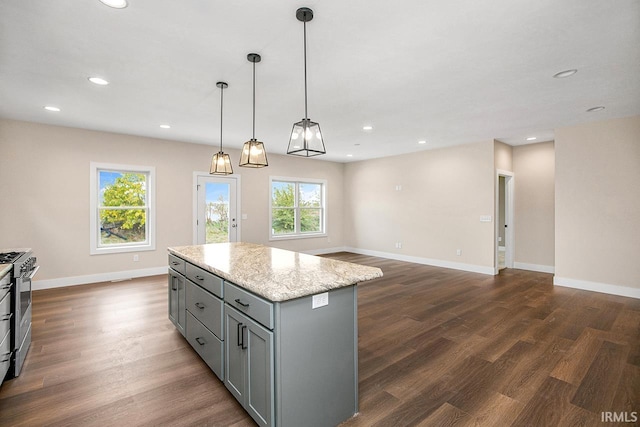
(274, 274)
(4, 269)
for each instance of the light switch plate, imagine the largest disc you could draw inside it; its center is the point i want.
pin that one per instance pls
(319, 300)
(485, 218)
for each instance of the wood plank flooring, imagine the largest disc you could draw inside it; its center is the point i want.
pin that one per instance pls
(437, 347)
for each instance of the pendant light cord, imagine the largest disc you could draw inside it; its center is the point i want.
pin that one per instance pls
(306, 116)
(254, 101)
(221, 94)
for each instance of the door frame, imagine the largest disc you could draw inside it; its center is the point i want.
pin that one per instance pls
(509, 255)
(194, 211)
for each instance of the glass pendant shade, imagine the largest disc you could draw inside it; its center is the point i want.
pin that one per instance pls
(306, 139)
(221, 164)
(253, 154)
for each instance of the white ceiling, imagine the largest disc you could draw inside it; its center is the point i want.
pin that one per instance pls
(448, 72)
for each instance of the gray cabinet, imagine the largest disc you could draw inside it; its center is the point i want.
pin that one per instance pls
(249, 365)
(5, 325)
(177, 300)
(288, 363)
(205, 330)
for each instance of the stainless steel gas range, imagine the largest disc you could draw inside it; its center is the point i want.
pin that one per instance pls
(24, 269)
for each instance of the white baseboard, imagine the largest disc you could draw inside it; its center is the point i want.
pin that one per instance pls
(426, 261)
(325, 251)
(597, 287)
(95, 278)
(534, 267)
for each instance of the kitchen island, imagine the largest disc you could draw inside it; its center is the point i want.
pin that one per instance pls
(278, 327)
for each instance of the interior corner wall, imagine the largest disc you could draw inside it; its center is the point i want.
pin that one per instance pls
(534, 204)
(429, 202)
(597, 206)
(44, 188)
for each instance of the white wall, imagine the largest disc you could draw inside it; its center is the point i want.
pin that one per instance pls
(534, 168)
(597, 206)
(44, 188)
(437, 211)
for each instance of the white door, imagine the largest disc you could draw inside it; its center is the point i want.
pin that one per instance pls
(504, 220)
(216, 209)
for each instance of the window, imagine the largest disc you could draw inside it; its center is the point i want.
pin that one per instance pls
(297, 208)
(122, 208)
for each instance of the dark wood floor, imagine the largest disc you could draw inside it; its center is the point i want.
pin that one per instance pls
(437, 347)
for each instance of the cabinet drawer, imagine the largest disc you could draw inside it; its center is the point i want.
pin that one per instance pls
(203, 278)
(253, 306)
(207, 345)
(5, 355)
(5, 286)
(206, 308)
(177, 263)
(5, 314)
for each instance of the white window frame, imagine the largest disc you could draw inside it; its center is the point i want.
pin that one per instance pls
(94, 209)
(323, 208)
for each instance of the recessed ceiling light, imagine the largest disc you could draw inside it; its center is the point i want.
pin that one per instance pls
(51, 108)
(349, 155)
(117, 4)
(531, 138)
(98, 80)
(165, 126)
(367, 127)
(422, 141)
(565, 73)
(594, 109)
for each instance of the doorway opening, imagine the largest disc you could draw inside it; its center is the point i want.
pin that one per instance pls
(216, 204)
(504, 253)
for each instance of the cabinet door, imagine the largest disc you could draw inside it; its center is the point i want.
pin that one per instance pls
(173, 298)
(259, 393)
(182, 305)
(234, 358)
(177, 301)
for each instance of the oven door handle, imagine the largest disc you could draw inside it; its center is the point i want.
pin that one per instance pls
(33, 273)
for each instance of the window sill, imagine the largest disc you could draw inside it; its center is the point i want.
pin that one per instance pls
(123, 249)
(297, 236)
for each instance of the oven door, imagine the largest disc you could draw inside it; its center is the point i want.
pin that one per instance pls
(23, 285)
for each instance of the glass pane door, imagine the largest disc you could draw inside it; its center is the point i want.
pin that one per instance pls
(217, 221)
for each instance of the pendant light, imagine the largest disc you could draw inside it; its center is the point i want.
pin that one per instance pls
(306, 138)
(221, 163)
(253, 153)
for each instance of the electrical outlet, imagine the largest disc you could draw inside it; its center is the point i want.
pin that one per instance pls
(319, 300)
(458, 252)
(398, 245)
(136, 258)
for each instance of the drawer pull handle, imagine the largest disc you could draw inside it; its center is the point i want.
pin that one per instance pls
(239, 334)
(6, 317)
(241, 303)
(175, 263)
(6, 287)
(243, 346)
(200, 305)
(7, 355)
(174, 287)
(200, 341)
(199, 278)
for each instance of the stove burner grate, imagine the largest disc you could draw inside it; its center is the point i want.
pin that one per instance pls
(9, 257)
